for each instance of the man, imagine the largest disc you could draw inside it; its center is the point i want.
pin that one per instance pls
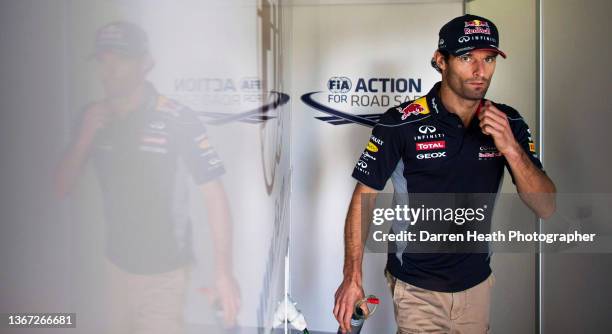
(141, 145)
(450, 141)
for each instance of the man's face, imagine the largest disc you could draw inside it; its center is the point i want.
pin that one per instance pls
(469, 75)
(119, 73)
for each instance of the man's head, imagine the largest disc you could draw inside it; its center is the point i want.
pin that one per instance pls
(466, 55)
(121, 50)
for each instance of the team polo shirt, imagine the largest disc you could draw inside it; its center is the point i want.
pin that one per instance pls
(426, 149)
(143, 163)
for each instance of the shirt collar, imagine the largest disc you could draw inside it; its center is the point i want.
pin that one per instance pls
(151, 95)
(435, 102)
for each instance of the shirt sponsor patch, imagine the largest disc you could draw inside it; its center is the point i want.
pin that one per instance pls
(418, 107)
(204, 144)
(431, 145)
(371, 147)
(433, 155)
(154, 140)
(153, 149)
(361, 166)
(486, 155)
(488, 152)
(376, 140)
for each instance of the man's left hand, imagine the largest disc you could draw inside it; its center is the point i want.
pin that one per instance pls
(494, 122)
(228, 297)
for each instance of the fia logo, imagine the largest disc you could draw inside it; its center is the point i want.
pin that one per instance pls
(339, 85)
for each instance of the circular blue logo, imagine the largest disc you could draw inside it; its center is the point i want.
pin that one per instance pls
(339, 85)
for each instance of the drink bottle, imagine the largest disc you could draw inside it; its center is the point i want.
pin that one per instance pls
(359, 317)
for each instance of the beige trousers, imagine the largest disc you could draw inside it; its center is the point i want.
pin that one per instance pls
(139, 304)
(418, 310)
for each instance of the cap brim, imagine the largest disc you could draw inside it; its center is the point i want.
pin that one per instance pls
(498, 51)
(486, 47)
(119, 51)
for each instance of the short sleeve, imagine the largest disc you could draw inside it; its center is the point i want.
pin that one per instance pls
(522, 133)
(379, 158)
(195, 148)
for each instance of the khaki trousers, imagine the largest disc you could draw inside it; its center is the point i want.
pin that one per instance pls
(418, 310)
(139, 304)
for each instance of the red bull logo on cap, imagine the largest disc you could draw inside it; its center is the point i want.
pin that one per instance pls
(417, 107)
(476, 23)
(477, 27)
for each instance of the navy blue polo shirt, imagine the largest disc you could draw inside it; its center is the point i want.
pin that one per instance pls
(143, 162)
(426, 149)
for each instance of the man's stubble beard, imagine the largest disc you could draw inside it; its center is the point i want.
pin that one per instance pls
(461, 89)
(118, 90)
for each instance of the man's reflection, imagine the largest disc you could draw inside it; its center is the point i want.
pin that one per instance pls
(141, 144)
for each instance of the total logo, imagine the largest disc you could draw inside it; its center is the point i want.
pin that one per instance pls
(431, 145)
(434, 155)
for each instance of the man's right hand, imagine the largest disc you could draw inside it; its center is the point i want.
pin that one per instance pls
(347, 295)
(95, 118)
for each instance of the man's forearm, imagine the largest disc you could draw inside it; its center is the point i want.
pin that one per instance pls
(534, 187)
(353, 245)
(355, 230)
(220, 224)
(70, 168)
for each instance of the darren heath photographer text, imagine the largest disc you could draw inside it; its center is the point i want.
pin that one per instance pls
(498, 236)
(459, 216)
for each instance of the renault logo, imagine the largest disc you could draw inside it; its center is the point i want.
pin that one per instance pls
(425, 129)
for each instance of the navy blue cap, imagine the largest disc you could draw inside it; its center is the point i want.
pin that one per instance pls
(469, 32)
(123, 37)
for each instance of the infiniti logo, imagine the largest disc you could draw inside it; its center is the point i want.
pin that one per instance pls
(464, 39)
(158, 125)
(362, 164)
(425, 129)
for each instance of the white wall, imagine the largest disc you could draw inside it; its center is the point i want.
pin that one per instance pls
(577, 114)
(355, 41)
